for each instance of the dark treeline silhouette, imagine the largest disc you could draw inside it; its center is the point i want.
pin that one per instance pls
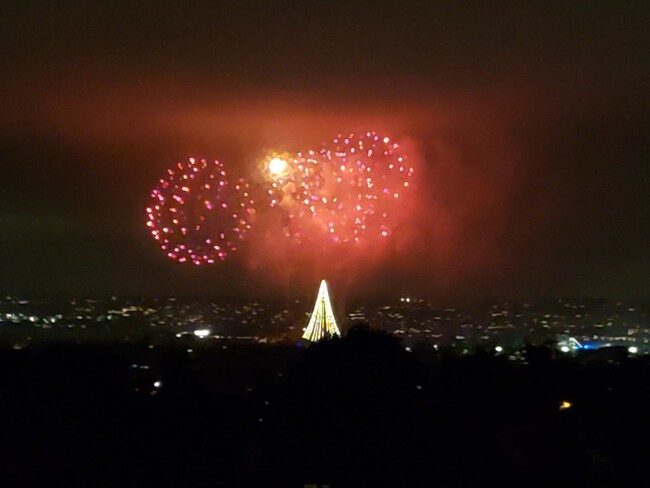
(348, 412)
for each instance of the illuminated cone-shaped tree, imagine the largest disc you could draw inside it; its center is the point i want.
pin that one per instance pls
(322, 323)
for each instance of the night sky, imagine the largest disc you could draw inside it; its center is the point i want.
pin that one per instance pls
(529, 123)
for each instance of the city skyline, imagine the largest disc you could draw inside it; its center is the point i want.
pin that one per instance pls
(512, 325)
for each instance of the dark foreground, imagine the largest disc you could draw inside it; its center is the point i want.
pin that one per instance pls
(358, 411)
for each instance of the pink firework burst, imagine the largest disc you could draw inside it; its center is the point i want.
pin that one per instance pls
(368, 178)
(197, 215)
(350, 191)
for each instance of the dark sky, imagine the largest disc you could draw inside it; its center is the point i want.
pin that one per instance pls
(529, 122)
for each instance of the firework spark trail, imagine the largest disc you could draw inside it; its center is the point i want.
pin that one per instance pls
(197, 215)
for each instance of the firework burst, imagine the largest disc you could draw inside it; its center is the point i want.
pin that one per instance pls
(295, 186)
(197, 215)
(368, 178)
(349, 191)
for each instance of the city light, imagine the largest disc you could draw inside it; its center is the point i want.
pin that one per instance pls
(425, 322)
(565, 405)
